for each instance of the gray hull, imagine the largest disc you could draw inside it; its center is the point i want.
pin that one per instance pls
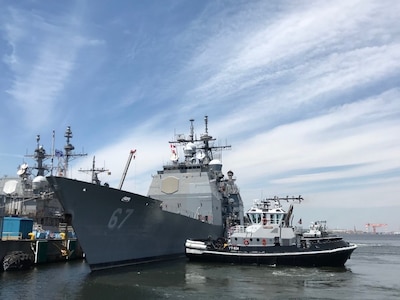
(118, 228)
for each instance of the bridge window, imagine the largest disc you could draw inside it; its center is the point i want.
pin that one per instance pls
(254, 218)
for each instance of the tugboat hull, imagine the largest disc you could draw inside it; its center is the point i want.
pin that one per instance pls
(279, 256)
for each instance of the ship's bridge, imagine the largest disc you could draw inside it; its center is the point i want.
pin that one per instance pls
(262, 213)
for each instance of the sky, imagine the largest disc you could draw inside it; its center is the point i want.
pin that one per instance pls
(306, 92)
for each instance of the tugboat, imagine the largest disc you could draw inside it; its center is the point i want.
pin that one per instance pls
(270, 238)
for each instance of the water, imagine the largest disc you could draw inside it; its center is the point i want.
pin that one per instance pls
(373, 272)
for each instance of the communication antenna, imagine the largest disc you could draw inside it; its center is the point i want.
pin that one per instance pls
(68, 150)
(40, 156)
(95, 171)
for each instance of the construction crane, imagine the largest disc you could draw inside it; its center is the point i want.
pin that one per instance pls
(126, 168)
(374, 226)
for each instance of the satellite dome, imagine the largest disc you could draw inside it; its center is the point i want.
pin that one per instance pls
(189, 149)
(215, 162)
(39, 182)
(216, 165)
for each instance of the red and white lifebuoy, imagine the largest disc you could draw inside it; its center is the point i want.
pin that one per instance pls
(246, 242)
(264, 242)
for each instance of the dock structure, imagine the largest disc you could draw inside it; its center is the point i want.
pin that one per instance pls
(42, 251)
(22, 247)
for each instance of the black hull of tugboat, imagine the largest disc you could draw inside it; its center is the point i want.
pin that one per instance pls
(279, 256)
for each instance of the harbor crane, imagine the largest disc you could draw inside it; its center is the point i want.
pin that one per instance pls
(374, 226)
(126, 168)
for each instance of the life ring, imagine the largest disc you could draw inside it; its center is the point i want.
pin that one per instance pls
(246, 242)
(264, 242)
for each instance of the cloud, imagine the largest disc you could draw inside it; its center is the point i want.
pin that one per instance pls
(43, 54)
(352, 143)
(292, 62)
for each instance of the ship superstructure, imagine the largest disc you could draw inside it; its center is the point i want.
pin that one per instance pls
(196, 186)
(28, 195)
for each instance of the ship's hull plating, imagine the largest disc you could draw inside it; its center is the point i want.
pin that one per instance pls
(118, 228)
(279, 256)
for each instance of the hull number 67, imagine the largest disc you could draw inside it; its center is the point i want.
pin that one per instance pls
(119, 217)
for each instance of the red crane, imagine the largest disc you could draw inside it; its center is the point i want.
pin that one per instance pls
(374, 226)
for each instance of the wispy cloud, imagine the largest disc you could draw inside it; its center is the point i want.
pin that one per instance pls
(309, 52)
(42, 55)
(348, 143)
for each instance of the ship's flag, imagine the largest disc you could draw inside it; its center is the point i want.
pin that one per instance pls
(59, 153)
(174, 155)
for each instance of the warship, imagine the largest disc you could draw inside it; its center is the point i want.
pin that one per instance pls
(188, 198)
(32, 226)
(28, 195)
